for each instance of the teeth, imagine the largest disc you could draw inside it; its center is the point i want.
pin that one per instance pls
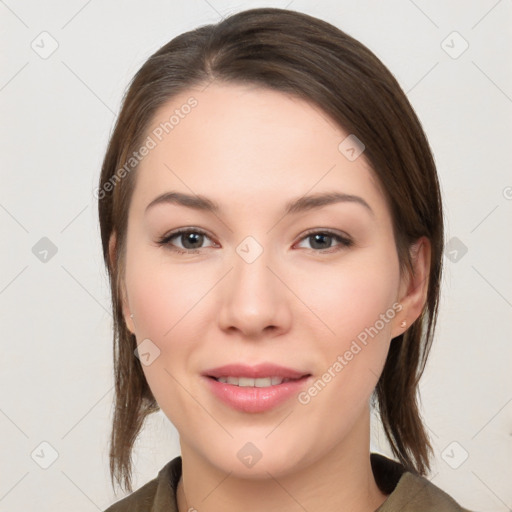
(263, 382)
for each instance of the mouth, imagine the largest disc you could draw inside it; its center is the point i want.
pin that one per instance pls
(261, 382)
(261, 375)
(255, 389)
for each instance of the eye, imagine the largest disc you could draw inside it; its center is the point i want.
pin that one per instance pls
(191, 238)
(321, 240)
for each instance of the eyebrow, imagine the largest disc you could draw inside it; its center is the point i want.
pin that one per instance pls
(301, 204)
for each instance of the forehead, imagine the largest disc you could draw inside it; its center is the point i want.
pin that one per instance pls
(247, 143)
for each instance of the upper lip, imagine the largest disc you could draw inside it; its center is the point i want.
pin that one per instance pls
(255, 372)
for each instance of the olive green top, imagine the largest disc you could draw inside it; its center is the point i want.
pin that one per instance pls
(406, 491)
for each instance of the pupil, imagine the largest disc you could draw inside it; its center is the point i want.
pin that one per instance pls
(321, 237)
(193, 238)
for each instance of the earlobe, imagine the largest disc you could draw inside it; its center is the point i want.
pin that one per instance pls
(414, 286)
(128, 317)
(112, 249)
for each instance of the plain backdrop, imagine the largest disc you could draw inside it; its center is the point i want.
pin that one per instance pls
(64, 68)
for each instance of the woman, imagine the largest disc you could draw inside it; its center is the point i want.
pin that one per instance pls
(272, 226)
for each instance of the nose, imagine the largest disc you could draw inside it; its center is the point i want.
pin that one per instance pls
(254, 299)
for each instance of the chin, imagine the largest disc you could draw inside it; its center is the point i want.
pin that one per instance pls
(257, 459)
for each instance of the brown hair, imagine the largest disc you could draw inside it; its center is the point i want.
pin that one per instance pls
(301, 55)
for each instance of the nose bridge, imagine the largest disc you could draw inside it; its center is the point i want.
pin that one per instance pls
(254, 297)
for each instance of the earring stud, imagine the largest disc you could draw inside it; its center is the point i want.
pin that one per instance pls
(403, 324)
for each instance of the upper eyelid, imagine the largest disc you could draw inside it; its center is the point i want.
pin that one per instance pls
(181, 231)
(329, 231)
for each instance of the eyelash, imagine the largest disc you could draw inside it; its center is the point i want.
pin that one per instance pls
(166, 239)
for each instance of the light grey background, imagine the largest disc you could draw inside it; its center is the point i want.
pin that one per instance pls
(57, 112)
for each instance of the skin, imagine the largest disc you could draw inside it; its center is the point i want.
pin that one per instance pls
(298, 304)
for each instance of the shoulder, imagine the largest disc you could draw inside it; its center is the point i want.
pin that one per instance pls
(154, 496)
(409, 492)
(140, 500)
(417, 493)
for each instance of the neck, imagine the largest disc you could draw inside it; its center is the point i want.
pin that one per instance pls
(340, 480)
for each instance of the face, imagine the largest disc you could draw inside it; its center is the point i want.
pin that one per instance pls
(312, 288)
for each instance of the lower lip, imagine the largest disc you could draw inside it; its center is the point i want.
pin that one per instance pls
(252, 399)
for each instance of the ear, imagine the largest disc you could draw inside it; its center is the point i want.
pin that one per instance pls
(414, 287)
(112, 249)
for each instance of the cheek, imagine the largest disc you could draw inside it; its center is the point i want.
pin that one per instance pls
(163, 305)
(167, 305)
(161, 295)
(355, 306)
(351, 298)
